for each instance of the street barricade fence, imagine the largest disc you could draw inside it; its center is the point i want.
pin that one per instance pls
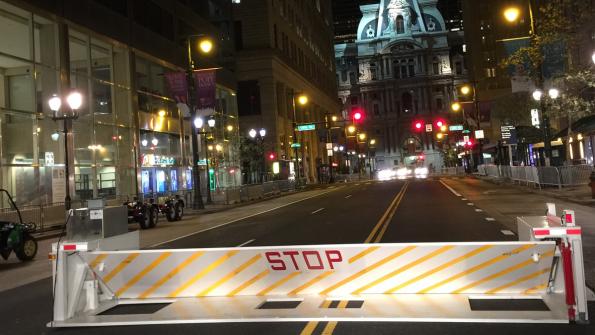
(358, 282)
(562, 176)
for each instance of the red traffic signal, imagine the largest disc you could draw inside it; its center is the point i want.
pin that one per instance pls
(272, 156)
(418, 125)
(358, 116)
(440, 123)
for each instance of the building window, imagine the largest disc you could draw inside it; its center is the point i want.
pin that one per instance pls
(239, 42)
(276, 39)
(354, 100)
(439, 104)
(400, 25)
(352, 78)
(407, 99)
(248, 98)
(436, 66)
(459, 68)
(376, 110)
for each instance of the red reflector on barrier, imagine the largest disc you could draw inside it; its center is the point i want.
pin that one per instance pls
(69, 247)
(541, 232)
(568, 218)
(573, 231)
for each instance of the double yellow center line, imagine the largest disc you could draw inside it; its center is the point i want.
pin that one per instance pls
(374, 237)
(380, 228)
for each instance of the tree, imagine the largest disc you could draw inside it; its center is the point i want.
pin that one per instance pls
(513, 109)
(563, 24)
(251, 155)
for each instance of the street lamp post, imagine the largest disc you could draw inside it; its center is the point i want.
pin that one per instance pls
(302, 100)
(259, 135)
(205, 45)
(74, 101)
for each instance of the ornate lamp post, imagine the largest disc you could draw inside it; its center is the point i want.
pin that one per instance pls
(74, 101)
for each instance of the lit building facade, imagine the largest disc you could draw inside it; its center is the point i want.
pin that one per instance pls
(131, 137)
(403, 68)
(285, 48)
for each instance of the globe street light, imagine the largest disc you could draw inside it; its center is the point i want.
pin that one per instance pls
(465, 90)
(511, 14)
(252, 133)
(211, 123)
(262, 132)
(593, 57)
(198, 122)
(537, 94)
(456, 107)
(303, 99)
(554, 93)
(205, 45)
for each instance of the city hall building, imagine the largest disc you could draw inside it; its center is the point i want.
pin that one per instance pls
(402, 68)
(130, 136)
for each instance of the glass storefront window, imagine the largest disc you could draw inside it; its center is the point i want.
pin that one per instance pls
(15, 33)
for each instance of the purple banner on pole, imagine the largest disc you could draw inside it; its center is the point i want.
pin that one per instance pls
(205, 90)
(177, 84)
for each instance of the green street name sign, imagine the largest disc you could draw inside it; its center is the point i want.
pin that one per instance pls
(296, 145)
(306, 127)
(456, 127)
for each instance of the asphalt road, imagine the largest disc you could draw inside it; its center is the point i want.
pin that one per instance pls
(426, 211)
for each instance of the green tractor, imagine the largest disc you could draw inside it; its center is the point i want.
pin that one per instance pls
(16, 236)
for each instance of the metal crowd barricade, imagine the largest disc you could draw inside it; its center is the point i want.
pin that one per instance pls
(547, 175)
(574, 175)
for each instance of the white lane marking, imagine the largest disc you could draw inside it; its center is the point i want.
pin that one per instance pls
(469, 204)
(507, 232)
(357, 184)
(490, 219)
(450, 189)
(464, 199)
(240, 219)
(318, 210)
(331, 187)
(368, 183)
(246, 243)
(349, 196)
(478, 210)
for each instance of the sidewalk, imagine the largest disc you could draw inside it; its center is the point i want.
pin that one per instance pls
(505, 202)
(577, 194)
(14, 273)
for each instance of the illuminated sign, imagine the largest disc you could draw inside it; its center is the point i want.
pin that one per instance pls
(456, 127)
(157, 160)
(306, 127)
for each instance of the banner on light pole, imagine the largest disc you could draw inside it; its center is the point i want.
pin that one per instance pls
(178, 86)
(206, 89)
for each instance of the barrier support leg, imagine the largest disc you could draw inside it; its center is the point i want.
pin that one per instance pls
(582, 313)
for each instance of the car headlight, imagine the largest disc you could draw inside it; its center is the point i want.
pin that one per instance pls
(421, 170)
(402, 172)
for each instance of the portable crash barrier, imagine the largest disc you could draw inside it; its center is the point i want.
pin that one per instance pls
(538, 279)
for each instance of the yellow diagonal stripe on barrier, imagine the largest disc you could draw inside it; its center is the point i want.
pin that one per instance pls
(367, 269)
(309, 328)
(143, 273)
(330, 328)
(120, 267)
(97, 260)
(440, 268)
(278, 283)
(229, 276)
(342, 304)
(325, 304)
(518, 281)
(202, 273)
(171, 274)
(311, 282)
(362, 254)
(535, 288)
(500, 273)
(248, 283)
(475, 268)
(404, 268)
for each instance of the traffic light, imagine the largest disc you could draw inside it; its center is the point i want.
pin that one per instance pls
(440, 123)
(418, 125)
(272, 156)
(357, 115)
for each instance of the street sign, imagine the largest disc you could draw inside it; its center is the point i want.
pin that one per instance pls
(456, 127)
(508, 134)
(329, 152)
(296, 145)
(329, 146)
(535, 117)
(428, 128)
(466, 138)
(479, 134)
(306, 127)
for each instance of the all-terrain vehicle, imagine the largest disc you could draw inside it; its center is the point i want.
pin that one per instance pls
(146, 214)
(173, 208)
(16, 236)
